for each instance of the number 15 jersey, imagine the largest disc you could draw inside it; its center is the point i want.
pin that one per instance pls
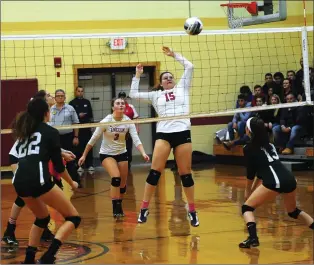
(114, 136)
(33, 155)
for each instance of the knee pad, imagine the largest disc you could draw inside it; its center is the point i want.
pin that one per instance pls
(42, 223)
(19, 202)
(295, 213)
(187, 180)
(153, 177)
(246, 208)
(123, 190)
(76, 220)
(115, 182)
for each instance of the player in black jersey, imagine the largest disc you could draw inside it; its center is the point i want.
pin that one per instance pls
(262, 160)
(37, 144)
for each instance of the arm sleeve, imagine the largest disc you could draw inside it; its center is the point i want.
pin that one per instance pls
(134, 135)
(186, 78)
(235, 118)
(97, 133)
(75, 118)
(55, 149)
(250, 164)
(134, 111)
(134, 93)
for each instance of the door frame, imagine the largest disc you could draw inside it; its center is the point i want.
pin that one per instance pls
(153, 80)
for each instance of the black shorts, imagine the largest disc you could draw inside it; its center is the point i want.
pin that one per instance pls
(287, 188)
(35, 191)
(176, 138)
(119, 158)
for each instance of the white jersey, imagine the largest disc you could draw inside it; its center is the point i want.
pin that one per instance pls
(113, 142)
(172, 102)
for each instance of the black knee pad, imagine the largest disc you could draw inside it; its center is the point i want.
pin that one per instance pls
(19, 202)
(153, 177)
(123, 190)
(76, 220)
(295, 213)
(187, 180)
(115, 182)
(246, 208)
(42, 223)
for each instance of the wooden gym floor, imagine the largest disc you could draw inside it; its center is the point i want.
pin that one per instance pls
(167, 237)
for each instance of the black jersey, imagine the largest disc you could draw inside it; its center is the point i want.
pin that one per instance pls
(268, 167)
(33, 155)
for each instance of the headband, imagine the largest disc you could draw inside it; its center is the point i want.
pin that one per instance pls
(248, 124)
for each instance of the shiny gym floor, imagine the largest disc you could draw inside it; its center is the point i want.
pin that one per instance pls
(167, 237)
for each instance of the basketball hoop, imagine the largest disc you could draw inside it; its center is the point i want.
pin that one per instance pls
(235, 12)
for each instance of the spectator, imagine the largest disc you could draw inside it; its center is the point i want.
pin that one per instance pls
(84, 112)
(268, 83)
(278, 79)
(257, 93)
(265, 115)
(291, 76)
(238, 123)
(291, 126)
(246, 91)
(132, 114)
(275, 117)
(64, 114)
(299, 79)
(269, 96)
(287, 89)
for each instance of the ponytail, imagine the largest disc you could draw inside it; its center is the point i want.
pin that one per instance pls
(259, 133)
(23, 125)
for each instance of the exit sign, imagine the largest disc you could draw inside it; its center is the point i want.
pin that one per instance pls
(118, 43)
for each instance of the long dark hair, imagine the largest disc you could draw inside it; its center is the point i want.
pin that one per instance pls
(159, 86)
(259, 135)
(26, 122)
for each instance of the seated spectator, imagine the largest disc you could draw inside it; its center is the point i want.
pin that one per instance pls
(265, 115)
(269, 96)
(278, 79)
(245, 90)
(275, 114)
(268, 83)
(311, 72)
(299, 76)
(257, 92)
(238, 124)
(287, 89)
(290, 128)
(291, 76)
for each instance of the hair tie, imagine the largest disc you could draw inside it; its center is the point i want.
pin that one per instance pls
(248, 124)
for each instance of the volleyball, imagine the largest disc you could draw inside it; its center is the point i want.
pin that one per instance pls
(193, 26)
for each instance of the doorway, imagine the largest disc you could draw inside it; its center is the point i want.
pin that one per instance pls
(102, 84)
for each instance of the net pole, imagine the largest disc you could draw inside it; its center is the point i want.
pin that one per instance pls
(305, 54)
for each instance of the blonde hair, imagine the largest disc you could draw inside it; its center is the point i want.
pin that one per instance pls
(278, 100)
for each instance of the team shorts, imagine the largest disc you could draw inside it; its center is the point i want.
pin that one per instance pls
(119, 158)
(286, 188)
(175, 138)
(34, 191)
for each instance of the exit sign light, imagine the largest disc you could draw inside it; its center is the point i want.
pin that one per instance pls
(118, 43)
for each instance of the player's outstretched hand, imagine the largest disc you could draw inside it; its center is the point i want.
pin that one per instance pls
(74, 185)
(146, 157)
(68, 156)
(167, 51)
(81, 161)
(139, 69)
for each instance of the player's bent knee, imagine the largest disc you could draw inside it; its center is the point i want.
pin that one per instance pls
(42, 222)
(76, 220)
(187, 180)
(295, 213)
(115, 182)
(123, 190)
(246, 208)
(153, 177)
(19, 202)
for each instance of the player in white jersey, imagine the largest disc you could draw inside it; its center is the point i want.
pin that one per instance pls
(170, 99)
(113, 154)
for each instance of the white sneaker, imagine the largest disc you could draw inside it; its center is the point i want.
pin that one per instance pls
(80, 169)
(91, 169)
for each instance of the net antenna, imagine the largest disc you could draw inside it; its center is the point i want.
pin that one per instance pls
(235, 12)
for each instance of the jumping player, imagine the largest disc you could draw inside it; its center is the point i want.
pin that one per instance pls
(262, 159)
(113, 153)
(37, 144)
(169, 99)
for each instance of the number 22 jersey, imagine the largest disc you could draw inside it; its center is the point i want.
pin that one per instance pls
(33, 156)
